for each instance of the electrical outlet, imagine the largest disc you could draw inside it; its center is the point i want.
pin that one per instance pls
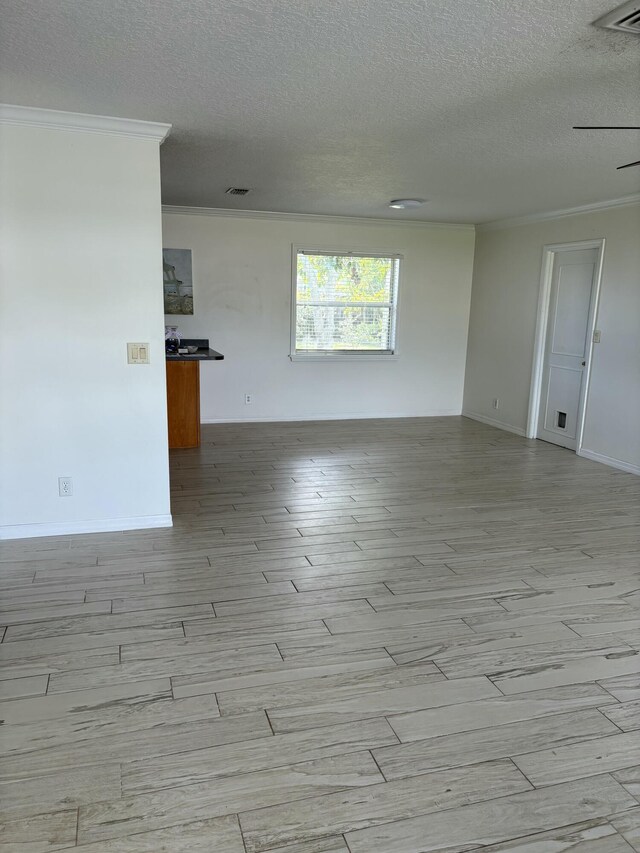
(596, 336)
(248, 399)
(65, 487)
(496, 403)
(138, 353)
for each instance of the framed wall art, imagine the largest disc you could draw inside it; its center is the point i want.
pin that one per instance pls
(177, 281)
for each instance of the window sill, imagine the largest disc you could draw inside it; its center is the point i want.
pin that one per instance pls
(354, 358)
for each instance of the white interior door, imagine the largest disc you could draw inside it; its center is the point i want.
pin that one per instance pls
(564, 371)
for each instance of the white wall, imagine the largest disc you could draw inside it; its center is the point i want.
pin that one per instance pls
(242, 298)
(504, 302)
(81, 275)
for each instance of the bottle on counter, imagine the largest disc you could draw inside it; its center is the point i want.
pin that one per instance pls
(171, 340)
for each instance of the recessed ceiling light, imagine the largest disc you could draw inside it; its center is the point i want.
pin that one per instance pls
(405, 203)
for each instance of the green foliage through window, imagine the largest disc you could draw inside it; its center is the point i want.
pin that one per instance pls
(345, 303)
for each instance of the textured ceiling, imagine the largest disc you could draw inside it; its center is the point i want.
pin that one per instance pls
(337, 106)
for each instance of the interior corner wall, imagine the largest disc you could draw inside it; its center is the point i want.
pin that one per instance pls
(242, 303)
(81, 276)
(504, 303)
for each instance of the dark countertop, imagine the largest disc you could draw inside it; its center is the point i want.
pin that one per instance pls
(201, 355)
(204, 353)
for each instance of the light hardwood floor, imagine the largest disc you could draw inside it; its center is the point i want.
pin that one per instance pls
(384, 636)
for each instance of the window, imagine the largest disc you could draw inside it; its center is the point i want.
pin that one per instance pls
(344, 304)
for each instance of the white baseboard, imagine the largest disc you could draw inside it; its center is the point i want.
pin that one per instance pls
(350, 416)
(610, 461)
(63, 528)
(474, 416)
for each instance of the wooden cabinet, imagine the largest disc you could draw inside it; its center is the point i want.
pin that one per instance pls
(183, 403)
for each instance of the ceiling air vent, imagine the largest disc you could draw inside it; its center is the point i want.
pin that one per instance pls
(625, 19)
(236, 191)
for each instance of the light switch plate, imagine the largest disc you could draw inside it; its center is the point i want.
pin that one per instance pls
(138, 353)
(596, 336)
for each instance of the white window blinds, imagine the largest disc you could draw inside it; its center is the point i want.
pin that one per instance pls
(345, 303)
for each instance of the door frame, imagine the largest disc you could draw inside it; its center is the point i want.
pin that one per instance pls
(549, 252)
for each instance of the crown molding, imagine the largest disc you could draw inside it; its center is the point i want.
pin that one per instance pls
(624, 201)
(310, 217)
(13, 114)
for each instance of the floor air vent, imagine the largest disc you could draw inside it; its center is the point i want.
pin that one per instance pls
(625, 19)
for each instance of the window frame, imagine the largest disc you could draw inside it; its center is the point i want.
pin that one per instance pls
(343, 355)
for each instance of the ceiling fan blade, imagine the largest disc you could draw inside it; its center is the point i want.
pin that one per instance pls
(610, 127)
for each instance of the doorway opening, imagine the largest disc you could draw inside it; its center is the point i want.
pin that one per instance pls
(565, 333)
